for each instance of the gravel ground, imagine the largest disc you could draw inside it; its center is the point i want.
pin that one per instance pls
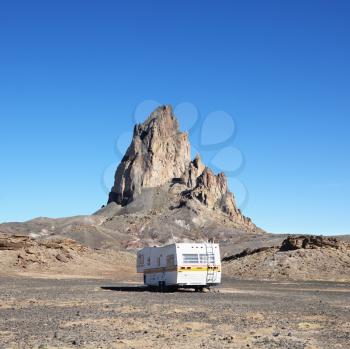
(44, 313)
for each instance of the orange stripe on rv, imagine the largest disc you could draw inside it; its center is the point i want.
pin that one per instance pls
(182, 269)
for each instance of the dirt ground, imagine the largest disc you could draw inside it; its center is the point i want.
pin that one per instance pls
(71, 313)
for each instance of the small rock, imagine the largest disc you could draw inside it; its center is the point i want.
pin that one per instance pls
(60, 257)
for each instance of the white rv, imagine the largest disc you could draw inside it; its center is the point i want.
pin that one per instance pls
(194, 265)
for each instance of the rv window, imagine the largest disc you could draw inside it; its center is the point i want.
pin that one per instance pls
(158, 260)
(190, 258)
(148, 260)
(170, 260)
(207, 258)
(140, 260)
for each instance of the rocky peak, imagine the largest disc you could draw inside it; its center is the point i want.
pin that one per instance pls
(161, 122)
(158, 153)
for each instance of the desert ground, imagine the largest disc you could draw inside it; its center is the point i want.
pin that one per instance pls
(102, 313)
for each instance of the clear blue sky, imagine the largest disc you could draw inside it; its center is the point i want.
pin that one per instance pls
(73, 72)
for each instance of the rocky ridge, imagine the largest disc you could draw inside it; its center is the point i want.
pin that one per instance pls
(296, 258)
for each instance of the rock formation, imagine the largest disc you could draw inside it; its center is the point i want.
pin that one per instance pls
(298, 242)
(212, 191)
(159, 154)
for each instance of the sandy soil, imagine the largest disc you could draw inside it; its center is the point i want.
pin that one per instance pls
(70, 313)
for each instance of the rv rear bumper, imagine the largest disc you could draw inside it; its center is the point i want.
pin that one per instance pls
(197, 285)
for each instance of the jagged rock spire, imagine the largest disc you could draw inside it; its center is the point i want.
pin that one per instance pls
(158, 153)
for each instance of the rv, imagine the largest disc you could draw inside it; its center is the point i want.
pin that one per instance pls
(185, 265)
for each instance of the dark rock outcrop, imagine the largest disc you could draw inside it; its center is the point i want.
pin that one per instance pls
(309, 242)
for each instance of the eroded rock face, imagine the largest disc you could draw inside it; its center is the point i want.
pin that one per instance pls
(160, 154)
(310, 242)
(193, 171)
(212, 191)
(14, 243)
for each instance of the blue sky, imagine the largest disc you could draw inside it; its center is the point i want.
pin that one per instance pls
(72, 74)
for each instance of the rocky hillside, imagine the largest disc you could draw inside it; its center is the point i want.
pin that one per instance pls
(23, 255)
(297, 258)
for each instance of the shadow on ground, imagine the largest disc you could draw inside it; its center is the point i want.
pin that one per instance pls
(126, 288)
(142, 289)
